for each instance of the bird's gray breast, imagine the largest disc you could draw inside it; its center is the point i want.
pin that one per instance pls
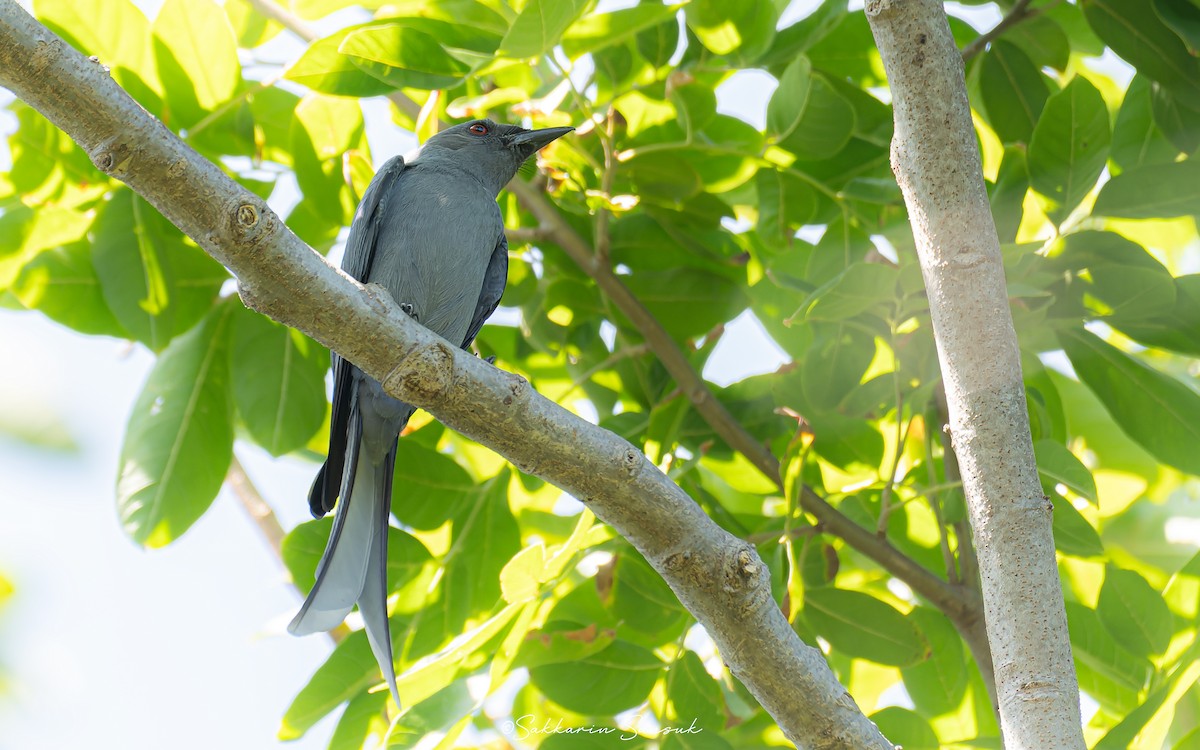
(433, 247)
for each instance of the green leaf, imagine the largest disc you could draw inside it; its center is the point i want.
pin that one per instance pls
(179, 440)
(155, 281)
(561, 641)
(724, 27)
(484, 15)
(1137, 139)
(438, 713)
(1069, 147)
(1058, 465)
(47, 165)
(599, 30)
(1182, 17)
(419, 53)
(906, 729)
(539, 26)
(644, 601)
(938, 684)
(1073, 535)
(847, 442)
(1178, 118)
(26, 233)
(1147, 725)
(835, 365)
(657, 44)
(862, 626)
(251, 28)
(694, 695)
(1134, 613)
(324, 129)
(1152, 191)
(62, 283)
(1177, 329)
(785, 202)
(324, 69)
(278, 382)
(1156, 410)
(1014, 91)
(1107, 672)
(1008, 195)
(607, 682)
(857, 289)
(197, 58)
(1138, 35)
(687, 301)
(348, 672)
(1122, 278)
(363, 718)
(116, 32)
(429, 487)
(484, 537)
(806, 115)
(1043, 40)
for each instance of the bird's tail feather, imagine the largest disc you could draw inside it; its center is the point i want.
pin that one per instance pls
(353, 568)
(343, 566)
(373, 601)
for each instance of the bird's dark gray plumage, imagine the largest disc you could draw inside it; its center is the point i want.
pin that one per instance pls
(429, 231)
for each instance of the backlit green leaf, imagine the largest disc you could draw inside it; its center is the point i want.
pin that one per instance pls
(278, 382)
(1152, 191)
(197, 58)
(1014, 92)
(1156, 410)
(179, 439)
(862, 626)
(539, 27)
(1069, 147)
(156, 282)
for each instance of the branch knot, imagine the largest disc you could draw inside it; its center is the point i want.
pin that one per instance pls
(424, 377)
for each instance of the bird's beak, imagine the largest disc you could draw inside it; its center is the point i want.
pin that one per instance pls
(531, 141)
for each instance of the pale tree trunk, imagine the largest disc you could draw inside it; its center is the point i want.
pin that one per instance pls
(937, 165)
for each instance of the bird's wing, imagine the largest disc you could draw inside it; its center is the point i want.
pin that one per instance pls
(360, 253)
(494, 280)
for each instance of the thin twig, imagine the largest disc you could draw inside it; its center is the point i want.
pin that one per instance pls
(265, 521)
(606, 181)
(1020, 12)
(285, 18)
(523, 235)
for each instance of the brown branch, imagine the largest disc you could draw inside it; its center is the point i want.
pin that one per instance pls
(285, 18)
(524, 235)
(668, 352)
(1019, 12)
(265, 521)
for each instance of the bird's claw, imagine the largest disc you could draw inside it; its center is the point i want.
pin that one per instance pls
(490, 360)
(410, 311)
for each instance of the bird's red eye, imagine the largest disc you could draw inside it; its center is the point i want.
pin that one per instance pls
(479, 129)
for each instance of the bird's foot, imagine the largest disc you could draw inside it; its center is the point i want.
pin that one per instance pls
(410, 311)
(490, 360)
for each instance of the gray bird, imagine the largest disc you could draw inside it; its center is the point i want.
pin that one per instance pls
(430, 232)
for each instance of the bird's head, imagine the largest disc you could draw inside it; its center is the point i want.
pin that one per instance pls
(492, 151)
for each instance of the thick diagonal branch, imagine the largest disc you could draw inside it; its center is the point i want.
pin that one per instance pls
(718, 577)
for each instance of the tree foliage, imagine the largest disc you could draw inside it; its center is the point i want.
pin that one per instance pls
(704, 216)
